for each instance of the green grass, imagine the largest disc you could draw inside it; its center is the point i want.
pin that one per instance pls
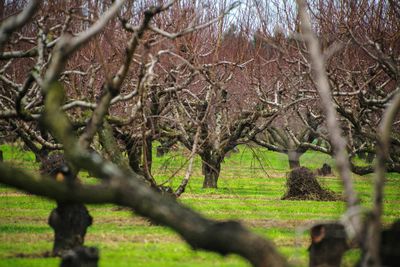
(250, 187)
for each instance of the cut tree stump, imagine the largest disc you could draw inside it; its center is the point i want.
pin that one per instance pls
(325, 170)
(69, 220)
(328, 244)
(390, 245)
(80, 257)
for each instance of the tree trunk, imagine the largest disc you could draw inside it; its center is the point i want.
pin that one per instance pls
(211, 170)
(134, 155)
(69, 222)
(148, 154)
(294, 159)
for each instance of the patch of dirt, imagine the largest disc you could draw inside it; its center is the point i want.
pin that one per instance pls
(121, 221)
(18, 219)
(46, 254)
(118, 208)
(25, 239)
(116, 239)
(224, 196)
(302, 184)
(300, 243)
(285, 224)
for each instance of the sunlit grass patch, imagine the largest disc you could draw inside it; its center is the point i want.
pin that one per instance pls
(251, 186)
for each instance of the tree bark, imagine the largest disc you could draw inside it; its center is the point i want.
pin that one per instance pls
(294, 159)
(134, 154)
(211, 170)
(69, 222)
(148, 154)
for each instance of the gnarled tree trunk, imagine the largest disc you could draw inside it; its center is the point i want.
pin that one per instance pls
(211, 170)
(69, 222)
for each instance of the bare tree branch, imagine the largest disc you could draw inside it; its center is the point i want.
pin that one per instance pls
(353, 227)
(15, 22)
(373, 231)
(67, 45)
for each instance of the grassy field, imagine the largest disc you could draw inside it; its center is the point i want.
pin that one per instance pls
(250, 187)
